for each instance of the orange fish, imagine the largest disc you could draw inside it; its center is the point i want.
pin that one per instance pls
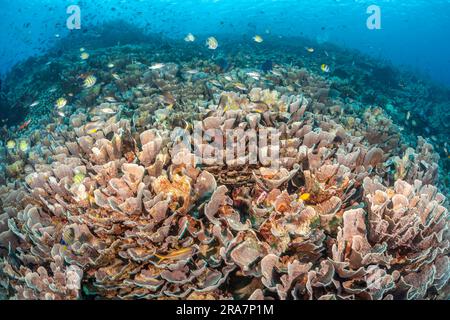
(24, 125)
(175, 255)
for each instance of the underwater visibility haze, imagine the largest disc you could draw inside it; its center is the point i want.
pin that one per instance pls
(224, 150)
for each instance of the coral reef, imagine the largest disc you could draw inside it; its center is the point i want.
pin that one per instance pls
(131, 196)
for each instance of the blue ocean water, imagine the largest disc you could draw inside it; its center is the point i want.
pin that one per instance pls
(414, 34)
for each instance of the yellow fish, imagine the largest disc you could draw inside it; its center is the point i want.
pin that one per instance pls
(212, 43)
(78, 178)
(258, 39)
(84, 56)
(92, 131)
(11, 144)
(82, 50)
(174, 255)
(61, 103)
(89, 81)
(304, 196)
(23, 146)
(325, 68)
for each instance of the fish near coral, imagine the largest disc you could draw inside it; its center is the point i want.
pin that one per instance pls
(212, 43)
(78, 178)
(92, 131)
(240, 86)
(157, 66)
(325, 68)
(90, 81)
(24, 146)
(84, 56)
(60, 103)
(24, 125)
(175, 255)
(304, 196)
(11, 144)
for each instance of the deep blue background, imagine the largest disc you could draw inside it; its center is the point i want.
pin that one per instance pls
(414, 33)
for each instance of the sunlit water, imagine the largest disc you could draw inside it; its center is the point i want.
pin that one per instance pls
(413, 33)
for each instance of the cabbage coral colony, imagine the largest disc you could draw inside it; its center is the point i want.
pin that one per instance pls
(104, 205)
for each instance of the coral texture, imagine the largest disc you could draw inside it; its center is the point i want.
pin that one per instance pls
(116, 202)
